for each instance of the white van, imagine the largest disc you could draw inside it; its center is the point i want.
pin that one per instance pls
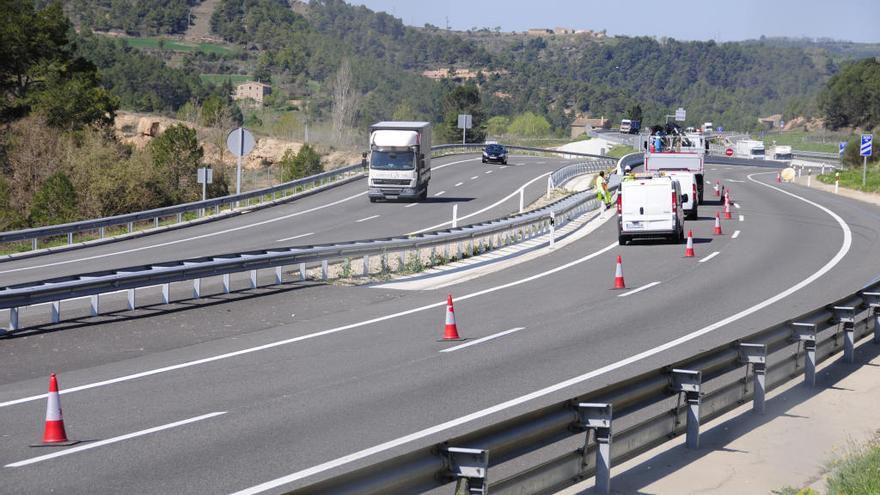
(688, 183)
(650, 207)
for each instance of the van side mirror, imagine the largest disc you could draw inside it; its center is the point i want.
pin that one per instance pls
(684, 198)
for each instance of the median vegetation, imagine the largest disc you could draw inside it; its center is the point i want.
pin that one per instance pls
(857, 472)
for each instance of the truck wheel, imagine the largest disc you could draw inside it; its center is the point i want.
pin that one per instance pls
(372, 200)
(424, 195)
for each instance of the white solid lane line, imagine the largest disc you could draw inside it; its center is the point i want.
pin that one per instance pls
(634, 291)
(211, 234)
(734, 180)
(487, 172)
(742, 218)
(440, 193)
(484, 339)
(454, 423)
(368, 218)
(410, 205)
(293, 340)
(295, 237)
(460, 183)
(735, 235)
(707, 258)
(101, 443)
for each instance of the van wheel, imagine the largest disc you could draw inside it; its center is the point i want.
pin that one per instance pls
(622, 240)
(372, 200)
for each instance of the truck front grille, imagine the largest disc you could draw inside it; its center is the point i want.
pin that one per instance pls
(391, 182)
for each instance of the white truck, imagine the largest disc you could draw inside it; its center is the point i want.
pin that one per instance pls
(690, 161)
(782, 153)
(708, 128)
(400, 160)
(648, 207)
(749, 148)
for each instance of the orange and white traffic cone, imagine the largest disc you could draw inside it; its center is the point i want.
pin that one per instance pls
(717, 230)
(54, 434)
(717, 189)
(451, 330)
(618, 276)
(778, 177)
(727, 209)
(689, 249)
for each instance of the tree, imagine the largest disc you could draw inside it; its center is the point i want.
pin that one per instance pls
(303, 164)
(463, 100)
(852, 154)
(9, 217)
(344, 101)
(635, 112)
(497, 126)
(852, 96)
(75, 101)
(55, 202)
(176, 157)
(529, 125)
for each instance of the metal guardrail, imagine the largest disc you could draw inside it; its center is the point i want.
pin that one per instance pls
(483, 236)
(816, 156)
(285, 192)
(643, 412)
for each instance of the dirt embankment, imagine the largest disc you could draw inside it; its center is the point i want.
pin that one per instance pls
(138, 129)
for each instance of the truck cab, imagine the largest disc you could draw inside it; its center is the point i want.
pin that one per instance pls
(399, 160)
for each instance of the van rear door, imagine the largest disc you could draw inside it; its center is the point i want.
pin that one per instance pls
(646, 206)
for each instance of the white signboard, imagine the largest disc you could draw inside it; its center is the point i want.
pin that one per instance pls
(206, 175)
(680, 115)
(465, 121)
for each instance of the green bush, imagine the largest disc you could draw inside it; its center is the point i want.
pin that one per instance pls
(857, 473)
(303, 164)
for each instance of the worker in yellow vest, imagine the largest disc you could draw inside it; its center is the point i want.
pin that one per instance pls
(602, 189)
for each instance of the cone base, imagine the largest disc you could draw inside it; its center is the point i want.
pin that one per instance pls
(68, 443)
(459, 339)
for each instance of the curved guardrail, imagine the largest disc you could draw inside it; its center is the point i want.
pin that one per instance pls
(269, 195)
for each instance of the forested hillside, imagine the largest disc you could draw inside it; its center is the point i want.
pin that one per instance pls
(135, 17)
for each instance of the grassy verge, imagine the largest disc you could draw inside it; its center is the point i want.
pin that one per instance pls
(176, 46)
(855, 473)
(805, 141)
(619, 151)
(852, 178)
(219, 78)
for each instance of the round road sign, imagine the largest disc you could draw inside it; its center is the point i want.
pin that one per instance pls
(240, 142)
(728, 152)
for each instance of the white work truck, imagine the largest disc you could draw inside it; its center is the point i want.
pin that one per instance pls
(750, 148)
(688, 159)
(400, 160)
(648, 207)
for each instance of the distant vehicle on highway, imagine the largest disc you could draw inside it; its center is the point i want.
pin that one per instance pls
(628, 126)
(782, 153)
(495, 153)
(650, 206)
(400, 160)
(708, 128)
(750, 148)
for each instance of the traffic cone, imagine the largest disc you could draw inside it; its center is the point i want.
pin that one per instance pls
(717, 223)
(54, 434)
(717, 189)
(778, 177)
(618, 276)
(451, 331)
(727, 209)
(689, 249)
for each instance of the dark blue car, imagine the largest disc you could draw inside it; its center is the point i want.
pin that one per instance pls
(495, 153)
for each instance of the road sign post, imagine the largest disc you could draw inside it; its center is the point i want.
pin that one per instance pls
(865, 150)
(465, 122)
(240, 142)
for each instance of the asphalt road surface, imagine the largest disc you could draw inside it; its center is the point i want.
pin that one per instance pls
(232, 392)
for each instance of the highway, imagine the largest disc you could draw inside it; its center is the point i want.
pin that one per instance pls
(482, 191)
(308, 380)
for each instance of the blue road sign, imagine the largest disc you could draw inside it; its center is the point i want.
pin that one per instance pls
(720, 129)
(840, 147)
(867, 144)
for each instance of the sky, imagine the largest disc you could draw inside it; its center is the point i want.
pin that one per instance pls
(850, 20)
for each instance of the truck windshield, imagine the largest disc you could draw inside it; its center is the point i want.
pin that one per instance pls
(757, 151)
(392, 160)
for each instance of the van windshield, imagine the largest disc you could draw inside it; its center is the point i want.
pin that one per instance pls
(392, 160)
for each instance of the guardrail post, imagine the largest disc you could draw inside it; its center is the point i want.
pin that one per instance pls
(756, 356)
(846, 315)
(197, 288)
(69, 238)
(95, 304)
(156, 222)
(179, 217)
(166, 293)
(470, 466)
(226, 283)
(806, 333)
(552, 229)
(366, 267)
(253, 279)
(873, 301)
(324, 270)
(131, 300)
(55, 308)
(101, 230)
(217, 209)
(34, 244)
(130, 227)
(688, 383)
(13, 319)
(454, 216)
(597, 418)
(302, 271)
(549, 185)
(522, 199)
(279, 275)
